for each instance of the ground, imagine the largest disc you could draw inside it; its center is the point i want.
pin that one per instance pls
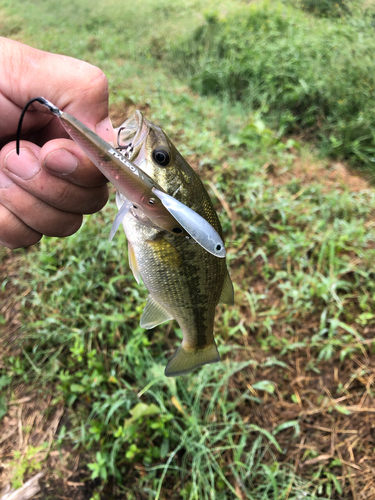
(329, 413)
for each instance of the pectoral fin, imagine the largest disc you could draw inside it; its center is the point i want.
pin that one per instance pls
(124, 209)
(227, 293)
(154, 314)
(185, 360)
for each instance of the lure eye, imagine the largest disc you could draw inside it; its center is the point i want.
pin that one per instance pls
(161, 156)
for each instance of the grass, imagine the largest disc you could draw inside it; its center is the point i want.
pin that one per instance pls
(297, 347)
(308, 75)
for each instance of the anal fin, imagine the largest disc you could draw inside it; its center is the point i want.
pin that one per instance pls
(154, 314)
(227, 293)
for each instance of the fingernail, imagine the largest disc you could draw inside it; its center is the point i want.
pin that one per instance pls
(105, 130)
(25, 165)
(5, 181)
(61, 161)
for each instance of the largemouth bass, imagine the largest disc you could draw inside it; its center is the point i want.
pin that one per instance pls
(185, 282)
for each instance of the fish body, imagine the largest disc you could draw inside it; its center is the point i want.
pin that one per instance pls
(185, 281)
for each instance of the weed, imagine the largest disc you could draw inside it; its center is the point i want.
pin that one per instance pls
(327, 8)
(28, 462)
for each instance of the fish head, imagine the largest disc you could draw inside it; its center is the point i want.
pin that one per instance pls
(140, 141)
(146, 145)
(183, 194)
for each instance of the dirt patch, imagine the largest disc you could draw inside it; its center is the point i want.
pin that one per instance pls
(332, 404)
(331, 175)
(340, 174)
(10, 299)
(27, 435)
(334, 410)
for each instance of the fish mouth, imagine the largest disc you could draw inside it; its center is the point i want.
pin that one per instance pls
(131, 136)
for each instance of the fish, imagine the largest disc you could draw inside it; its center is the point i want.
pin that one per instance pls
(185, 282)
(141, 191)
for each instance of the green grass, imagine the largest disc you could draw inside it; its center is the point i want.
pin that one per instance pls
(307, 75)
(82, 338)
(300, 252)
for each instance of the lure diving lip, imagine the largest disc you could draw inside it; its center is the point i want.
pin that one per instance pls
(141, 191)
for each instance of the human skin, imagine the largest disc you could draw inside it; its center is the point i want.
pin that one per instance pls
(52, 183)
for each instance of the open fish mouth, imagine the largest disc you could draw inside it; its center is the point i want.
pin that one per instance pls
(131, 136)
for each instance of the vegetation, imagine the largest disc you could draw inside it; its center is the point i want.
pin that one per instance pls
(297, 346)
(308, 75)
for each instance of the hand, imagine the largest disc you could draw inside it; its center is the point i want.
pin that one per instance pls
(47, 188)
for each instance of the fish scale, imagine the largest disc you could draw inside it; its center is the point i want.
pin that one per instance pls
(184, 280)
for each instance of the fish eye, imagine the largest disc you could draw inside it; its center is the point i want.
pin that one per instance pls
(161, 156)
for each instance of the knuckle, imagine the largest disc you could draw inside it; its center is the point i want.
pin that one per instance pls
(99, 82)
(63, 198)
(63, 225)
(97, 90)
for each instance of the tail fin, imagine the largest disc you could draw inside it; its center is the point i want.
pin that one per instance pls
(185, 360)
